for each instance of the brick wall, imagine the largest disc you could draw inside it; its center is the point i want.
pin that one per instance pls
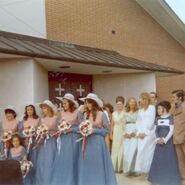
(120, 25)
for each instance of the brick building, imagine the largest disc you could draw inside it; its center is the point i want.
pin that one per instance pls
(124, 26)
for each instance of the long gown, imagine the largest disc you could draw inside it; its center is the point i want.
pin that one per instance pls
(145, 147)
(65, 169)
(19, 154)
(117, 143)
(130, 145)
(95, 168)
(164, 169)
(32, 154)
(46, 154)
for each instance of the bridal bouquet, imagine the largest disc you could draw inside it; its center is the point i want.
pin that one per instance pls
(25, 167)
(64, 126)
(42, 134)
(7, 136)
(85, 129)
(29, 132)
(6, 144)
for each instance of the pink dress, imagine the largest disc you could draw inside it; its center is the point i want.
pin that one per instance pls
(70, 117)
(50, 122)
(31, 122)
(99, 119)
(10, 125)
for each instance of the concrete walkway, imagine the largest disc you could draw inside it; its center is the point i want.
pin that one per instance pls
(122, 180)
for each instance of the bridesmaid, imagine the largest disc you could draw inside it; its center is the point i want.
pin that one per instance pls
(47, 150)
(118, 135)
(96, 167)
(65, 164)
(130, 143)
(9, 124)
(31, 119)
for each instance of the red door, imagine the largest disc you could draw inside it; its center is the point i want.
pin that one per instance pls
(61, 83)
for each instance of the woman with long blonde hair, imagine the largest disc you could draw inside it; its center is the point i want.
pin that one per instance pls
(130, 142)
(146, 134)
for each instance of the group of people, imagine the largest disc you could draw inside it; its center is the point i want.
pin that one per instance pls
(144, 137)
(147, 138)
(61, 157)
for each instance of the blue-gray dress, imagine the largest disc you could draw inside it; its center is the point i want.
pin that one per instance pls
(164, 169)
(45, 155)
(95, 168)
(32, 155)
(65, 171)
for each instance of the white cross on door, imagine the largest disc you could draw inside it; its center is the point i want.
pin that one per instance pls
(59, 89)
(80, 90)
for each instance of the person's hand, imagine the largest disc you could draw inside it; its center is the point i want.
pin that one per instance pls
(133, 135)
(142, 136)
(160, 141)
(68, 131)
(128, 136)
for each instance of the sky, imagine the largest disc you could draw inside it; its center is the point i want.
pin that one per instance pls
(178, 6)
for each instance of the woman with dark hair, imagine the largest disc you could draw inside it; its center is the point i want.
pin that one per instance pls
(118, 135)
(30, 119)
(95, 166)
(65, 165)
(9, 126)
(10, 123)
(164, 169)
(17, 151)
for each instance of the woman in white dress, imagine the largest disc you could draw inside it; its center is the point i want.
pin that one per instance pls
(146, 134)
(118, 135)
(130, 142)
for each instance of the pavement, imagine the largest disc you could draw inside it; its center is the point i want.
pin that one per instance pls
(122, 180)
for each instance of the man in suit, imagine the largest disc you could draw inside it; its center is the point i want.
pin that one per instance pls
(178, 111)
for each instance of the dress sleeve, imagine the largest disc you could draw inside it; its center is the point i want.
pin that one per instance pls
(80, 116)
(20, 126)
(24, 153)
(105, 130)
(171, 131)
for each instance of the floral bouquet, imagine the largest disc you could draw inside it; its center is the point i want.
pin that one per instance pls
(85, 129)
(42, 134)
(29, 132)
(25, 167)
(64, 126)
(6, 138)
